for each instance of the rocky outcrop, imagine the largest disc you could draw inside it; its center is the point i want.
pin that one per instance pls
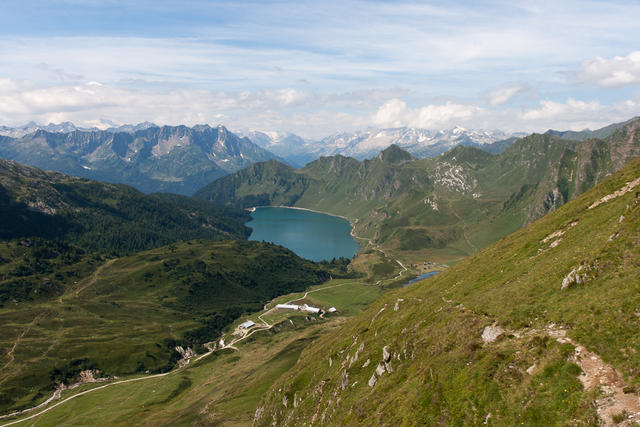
(383, 366)
(492, 333)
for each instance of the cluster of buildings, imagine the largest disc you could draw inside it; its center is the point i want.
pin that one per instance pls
(303, 307)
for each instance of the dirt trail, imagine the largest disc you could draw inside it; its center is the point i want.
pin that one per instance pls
(94, 277)
(377, 248)
(596, 374)
(17, 341)
(464, 228)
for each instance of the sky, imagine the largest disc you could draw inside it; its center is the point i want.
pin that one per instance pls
(315, 68)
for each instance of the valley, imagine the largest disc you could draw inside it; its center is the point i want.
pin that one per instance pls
(337, 213)
(222, 370)
(140, 318)
(443, 208)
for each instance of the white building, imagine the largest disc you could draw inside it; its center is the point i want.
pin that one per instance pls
(310, 309)
(246, 325)
(288, 306)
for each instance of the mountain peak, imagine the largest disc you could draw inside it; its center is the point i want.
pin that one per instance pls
(394, 154)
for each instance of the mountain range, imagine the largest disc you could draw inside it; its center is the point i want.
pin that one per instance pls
(367, 144)
(66, 127)
(175, 159)
(443, 207)
(180, 159)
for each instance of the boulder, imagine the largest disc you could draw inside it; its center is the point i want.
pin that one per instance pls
(373, 380)
(491, 333)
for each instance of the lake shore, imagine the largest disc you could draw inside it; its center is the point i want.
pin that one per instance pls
(253, 209)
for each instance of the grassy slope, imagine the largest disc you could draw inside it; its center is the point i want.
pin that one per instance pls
(227, 386)
(124, 317)
(104, 217)
(442, 372)
(224, 388)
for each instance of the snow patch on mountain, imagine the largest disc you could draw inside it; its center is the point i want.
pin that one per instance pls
(368, 143)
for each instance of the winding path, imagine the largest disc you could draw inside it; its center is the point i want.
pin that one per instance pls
(464, 228)
(94, 277)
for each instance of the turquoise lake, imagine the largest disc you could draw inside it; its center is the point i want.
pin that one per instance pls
(311, 235)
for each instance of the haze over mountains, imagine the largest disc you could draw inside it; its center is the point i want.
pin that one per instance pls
(368, 143)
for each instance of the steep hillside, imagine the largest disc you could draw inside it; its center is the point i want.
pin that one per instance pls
(540, 328)
(104, 217)
(65, 311)
(175, 159)
(445, 207)
(261, 184)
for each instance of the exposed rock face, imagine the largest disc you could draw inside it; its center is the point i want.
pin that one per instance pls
(386, 356)
(373, 381)
(628, 187)
(574, 276)
(186, 354)
(491, 333)
(383, 366)
(345, 380)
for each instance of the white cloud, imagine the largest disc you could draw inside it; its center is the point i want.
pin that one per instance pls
(504, 94)
(613, 72)
(85, 104)
(306, 113)
(395, 113)
(569, 115)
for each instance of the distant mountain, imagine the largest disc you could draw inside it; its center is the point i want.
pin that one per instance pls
(131, 128)
(421, 143)
(175, 159)
(446, 206)
(20, 131)
(586, 134)
(66, 127)
(295, 150)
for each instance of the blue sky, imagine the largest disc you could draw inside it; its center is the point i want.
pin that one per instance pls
(315, 68)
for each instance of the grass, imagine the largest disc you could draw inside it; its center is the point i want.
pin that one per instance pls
(443, 373)
(225, 387)
(126, 316)
(93, 306)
